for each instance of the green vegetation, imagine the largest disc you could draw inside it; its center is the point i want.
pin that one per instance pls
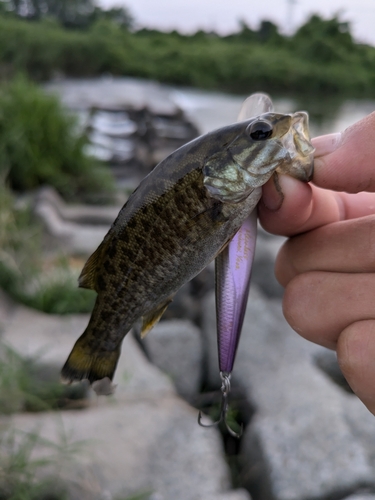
(26, 385)
(32, 467)
(39, 144)
(18, 468)
(28, 277)
(321, 57)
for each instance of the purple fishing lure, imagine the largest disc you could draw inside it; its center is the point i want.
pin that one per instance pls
(233, 272)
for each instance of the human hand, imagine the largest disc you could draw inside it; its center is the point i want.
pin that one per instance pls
(328, 264)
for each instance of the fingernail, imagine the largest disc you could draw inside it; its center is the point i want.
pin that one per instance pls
(326, 144)
(273, 200)
(272, 194)
(275, 191)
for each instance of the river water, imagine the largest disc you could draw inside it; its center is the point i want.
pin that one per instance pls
(207, 110)
(210, 110)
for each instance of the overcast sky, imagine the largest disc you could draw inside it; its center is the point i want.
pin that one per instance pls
(223, 15)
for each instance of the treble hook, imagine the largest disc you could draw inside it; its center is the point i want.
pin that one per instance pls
(225, 389)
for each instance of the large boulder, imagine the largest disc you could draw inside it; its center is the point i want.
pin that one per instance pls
(175, 346)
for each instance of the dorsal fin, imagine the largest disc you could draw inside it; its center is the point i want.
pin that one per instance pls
(150, 319)
(87, 278)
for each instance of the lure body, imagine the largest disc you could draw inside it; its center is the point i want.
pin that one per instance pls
(233, 271)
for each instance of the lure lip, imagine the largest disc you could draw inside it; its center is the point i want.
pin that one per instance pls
(255, 104)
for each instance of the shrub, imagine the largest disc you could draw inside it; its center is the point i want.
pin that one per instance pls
(39, 145)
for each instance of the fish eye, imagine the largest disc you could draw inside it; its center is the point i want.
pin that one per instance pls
(260, 130)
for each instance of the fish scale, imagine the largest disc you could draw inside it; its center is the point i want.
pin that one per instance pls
(172, 226)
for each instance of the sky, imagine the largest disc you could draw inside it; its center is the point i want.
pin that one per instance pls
(222, 16)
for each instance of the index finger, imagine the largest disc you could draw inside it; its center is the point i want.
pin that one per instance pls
(305, 207)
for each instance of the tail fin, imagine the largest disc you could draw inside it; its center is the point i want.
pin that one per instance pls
(86, 361)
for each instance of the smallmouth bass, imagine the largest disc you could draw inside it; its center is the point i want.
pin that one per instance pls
(175, 223)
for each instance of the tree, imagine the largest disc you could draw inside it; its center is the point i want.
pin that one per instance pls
(324, 40)
(246, 33)
(70, 13)
(118, 15)
(268, 32)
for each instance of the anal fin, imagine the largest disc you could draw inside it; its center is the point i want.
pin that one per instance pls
(150, 319)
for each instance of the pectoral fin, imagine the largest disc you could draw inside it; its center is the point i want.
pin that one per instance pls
(150, 319)
(87, 278)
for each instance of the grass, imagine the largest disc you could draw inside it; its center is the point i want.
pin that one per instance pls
(29, 278)
(19, 469)
(53, 292)
(28, 386)
(32, 468)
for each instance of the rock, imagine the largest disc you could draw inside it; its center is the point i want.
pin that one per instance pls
(77, 229)
(184, 305)
(263, 274)
(361, 496)
(79, 214)
(175, 346)
(300, 443)
(239, 494)
(327, 362)
(142, 445)
(362, 424)
(142, 439)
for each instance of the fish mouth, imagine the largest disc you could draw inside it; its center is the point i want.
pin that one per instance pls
(300, 125)
(297, 142)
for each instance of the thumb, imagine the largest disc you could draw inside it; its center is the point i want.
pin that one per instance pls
(346, 161)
